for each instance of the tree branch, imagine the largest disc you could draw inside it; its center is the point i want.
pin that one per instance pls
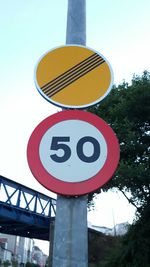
(129, 200)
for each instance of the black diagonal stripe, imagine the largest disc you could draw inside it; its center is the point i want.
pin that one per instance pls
(71, 70)
(72, 73)
(56, 90)
(73, 77)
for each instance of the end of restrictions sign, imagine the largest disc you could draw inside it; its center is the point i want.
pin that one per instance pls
(73, 152)
(73, 76)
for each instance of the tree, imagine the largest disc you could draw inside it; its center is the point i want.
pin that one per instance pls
(14, 263)
(6, 263)
(99, 246)
(134, 250)
(127, 111)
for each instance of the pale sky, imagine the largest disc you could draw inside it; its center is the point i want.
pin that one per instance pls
(117, 29)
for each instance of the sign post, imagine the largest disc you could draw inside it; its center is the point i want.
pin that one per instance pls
(74, 230)
(73, 152)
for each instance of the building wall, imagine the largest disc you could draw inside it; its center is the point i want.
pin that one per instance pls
(18, 248)
(5, 254)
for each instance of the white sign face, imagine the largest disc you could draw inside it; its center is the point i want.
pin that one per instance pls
(73, 151)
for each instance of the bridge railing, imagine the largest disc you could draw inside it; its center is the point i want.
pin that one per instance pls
(21, 197)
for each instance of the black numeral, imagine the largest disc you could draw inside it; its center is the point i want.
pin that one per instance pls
(58, 143)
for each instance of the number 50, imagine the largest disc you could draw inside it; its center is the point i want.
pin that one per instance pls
(59, 142)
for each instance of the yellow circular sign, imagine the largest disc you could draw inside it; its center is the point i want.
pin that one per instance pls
(73, 77)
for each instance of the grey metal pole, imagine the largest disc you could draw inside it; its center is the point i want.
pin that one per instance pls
(76, 22)
(70, 236)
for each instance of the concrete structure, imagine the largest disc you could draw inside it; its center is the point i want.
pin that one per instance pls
(122, 228)
(24, 250)
(76, 22)
(16, 248)
(70, 237)
(70, 240)
(5, 254)
(9, 248)
(118, 229)
(38, 257)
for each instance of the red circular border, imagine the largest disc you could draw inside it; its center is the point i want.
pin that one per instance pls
(70, 188)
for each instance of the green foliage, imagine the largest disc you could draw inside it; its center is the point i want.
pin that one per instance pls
(6, 263)
(14, 263)
(99, 246)
(30, 264)
(47, 262)
(127, 111)
(134, 250)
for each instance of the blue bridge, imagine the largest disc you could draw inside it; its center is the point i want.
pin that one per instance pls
(24, 211)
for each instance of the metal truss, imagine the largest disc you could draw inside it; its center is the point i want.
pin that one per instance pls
(24, 211)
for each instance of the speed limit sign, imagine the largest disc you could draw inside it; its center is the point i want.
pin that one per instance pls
(73, 152)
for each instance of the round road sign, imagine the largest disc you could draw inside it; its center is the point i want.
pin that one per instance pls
(73, 77)
(73, 152)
